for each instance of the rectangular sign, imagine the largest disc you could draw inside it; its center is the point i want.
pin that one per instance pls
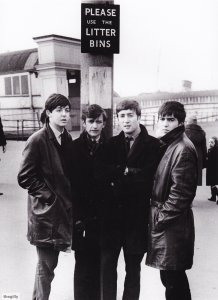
(100, 28)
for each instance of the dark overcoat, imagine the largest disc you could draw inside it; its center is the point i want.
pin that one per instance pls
(212, 166)
(43, 174)
(126, 206)
(87, 193)
(171, 224)
(2, 136)
(198, 137)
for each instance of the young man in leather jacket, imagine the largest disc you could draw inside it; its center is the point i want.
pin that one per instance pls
(171, 225)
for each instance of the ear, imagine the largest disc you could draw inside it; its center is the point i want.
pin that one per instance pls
(48, 113)
(139, 118)
(182, 123)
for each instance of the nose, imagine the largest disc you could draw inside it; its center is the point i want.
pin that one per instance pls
(63, 112)
(126, 119)
(95, 125)
(166, 123)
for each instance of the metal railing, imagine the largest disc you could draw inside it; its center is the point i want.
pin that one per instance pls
(20, 127)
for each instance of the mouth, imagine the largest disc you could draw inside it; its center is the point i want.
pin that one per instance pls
(94, 131)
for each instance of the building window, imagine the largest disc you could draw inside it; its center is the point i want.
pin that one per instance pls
(8, 89)
(24, 85)
(16, 85)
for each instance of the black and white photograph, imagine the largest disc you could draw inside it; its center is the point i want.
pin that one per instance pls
(109, 149)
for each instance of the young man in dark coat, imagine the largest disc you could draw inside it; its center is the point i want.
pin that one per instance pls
(131, 162)
(44, 173)
(212, 168)
(171, 230)
(86, 151)
(2, 141)
(198, 137)
(2, 137)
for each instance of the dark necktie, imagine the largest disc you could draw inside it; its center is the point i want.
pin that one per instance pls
(128, 141)
(62, 139)
(93, 147)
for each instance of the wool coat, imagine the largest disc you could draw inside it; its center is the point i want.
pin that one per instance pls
(171, 222)
(126, 204)
(88, 193)
(43, 173)
(198, 137)
(212, 166)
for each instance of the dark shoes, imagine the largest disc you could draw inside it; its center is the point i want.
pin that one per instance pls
(1, 194)
(212, 199)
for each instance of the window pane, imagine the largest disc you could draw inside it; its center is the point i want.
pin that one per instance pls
(16, 85)
(24, 84)
(8, 90)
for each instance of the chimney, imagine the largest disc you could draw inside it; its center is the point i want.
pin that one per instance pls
(186, 85)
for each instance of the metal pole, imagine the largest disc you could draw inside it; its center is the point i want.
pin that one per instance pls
(97, 80)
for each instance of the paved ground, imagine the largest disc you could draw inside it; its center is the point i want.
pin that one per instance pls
(18, 258)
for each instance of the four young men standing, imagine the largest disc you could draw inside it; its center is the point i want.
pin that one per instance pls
(108, 207)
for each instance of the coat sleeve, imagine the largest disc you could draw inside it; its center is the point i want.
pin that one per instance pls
(182, 190)
(30, 176)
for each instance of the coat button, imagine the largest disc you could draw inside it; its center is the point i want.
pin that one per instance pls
(112, 184)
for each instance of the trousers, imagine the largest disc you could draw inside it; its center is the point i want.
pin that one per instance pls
(87, 275)
(47, 262)
(109, 261)
(176, 284)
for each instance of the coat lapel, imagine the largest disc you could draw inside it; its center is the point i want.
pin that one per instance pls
(138, 143)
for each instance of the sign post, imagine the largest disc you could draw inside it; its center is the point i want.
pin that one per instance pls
(99, 40)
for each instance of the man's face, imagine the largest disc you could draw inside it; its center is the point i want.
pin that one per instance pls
(94, 126)
(166, 124)
(59, 117)
(211, 143)
(128, 121)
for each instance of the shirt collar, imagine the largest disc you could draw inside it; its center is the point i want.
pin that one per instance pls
(92, 139)
(57, 133)
(135, 135)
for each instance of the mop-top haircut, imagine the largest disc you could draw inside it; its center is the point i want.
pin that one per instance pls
(129, 104)
(174, 108)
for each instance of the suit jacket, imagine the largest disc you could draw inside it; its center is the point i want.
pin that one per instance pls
(127, 201)
(43, 174)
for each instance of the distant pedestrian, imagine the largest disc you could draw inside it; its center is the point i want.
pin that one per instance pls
(198, 137)
(2, 137)
(44, 173)
(171, 231)
(212, 168)
(2, 141)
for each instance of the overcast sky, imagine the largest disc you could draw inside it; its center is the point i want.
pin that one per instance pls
(162, 42)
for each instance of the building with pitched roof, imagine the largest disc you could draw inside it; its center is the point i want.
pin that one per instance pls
(28, 77)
